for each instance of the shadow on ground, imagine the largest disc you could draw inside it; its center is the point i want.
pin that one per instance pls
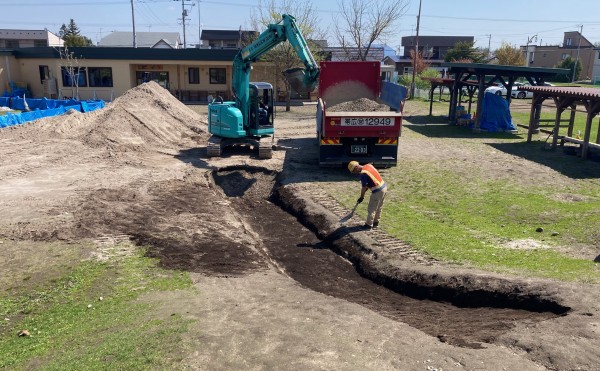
(569, 165)
(433, 129)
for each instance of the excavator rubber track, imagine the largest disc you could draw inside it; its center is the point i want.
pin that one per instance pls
(214, 147)
(265, 148)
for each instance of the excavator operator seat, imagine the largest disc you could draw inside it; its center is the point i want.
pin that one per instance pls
(261, 105)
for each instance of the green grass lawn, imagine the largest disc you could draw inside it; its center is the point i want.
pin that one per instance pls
(451, 209)
(91, 319)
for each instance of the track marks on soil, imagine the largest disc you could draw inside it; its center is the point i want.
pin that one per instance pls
(381, 238)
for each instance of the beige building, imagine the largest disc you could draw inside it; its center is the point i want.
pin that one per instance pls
(106, 73)
(12, 39)
(574, 45)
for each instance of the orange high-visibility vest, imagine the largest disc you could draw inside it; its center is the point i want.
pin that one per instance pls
(370, 170)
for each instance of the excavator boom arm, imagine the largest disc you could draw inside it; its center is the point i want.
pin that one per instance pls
(275, 34)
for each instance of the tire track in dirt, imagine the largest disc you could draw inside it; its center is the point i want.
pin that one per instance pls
(381, 238)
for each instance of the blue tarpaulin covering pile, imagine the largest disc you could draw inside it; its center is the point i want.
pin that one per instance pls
(43, 107)
(495, 114)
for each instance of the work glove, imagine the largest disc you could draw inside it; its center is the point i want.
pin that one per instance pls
(360, 200)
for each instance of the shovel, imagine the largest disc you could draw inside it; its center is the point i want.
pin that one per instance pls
(347, 217)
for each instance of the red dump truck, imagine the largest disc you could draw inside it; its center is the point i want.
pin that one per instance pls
(364, 136)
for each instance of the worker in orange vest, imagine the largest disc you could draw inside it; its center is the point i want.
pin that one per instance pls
(370, 179)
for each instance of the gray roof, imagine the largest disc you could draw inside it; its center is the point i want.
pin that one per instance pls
(449, 41)
(393, 58)
(143, 39)
(226, 34)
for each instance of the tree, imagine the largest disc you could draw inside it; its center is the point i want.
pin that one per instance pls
(509, 55)
(418, 62)
(464, 51)
(568, 63)
(283, 56)
(70, 70)
(362, 22)
(72, 36)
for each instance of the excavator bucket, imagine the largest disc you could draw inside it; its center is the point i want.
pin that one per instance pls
(295, 77)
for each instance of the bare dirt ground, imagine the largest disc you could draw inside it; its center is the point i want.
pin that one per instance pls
(273, 293)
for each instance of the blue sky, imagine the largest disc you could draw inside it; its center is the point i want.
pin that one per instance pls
(490, 22)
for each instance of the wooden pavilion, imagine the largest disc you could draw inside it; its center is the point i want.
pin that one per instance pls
(472, 77)
(566, 97)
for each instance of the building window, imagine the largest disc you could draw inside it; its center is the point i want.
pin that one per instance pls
(194, 75)
(12, 44)
(160, 77)
(217, 76)
(568, 42)
(44, 73)
(74, 76)
(100, 77)
(565, 56)
(40, 43)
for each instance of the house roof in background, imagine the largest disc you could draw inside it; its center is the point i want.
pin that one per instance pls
(143, 39)
(226, 34)
(436, 40)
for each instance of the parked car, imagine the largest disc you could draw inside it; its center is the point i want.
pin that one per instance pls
(499, 89)
(521, 94)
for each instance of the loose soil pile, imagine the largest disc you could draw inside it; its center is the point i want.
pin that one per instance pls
(359, 105)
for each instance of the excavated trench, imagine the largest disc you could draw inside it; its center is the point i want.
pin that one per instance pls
(465, 314)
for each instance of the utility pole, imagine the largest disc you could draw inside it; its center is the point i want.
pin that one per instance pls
(133, 22)
(577, 59)
(199, 26)
(489, 45)
(414, 72)
(184, 15)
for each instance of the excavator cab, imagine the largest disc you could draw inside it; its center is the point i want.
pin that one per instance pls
(261, 107)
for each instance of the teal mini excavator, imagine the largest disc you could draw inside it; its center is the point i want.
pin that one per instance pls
(249, 118)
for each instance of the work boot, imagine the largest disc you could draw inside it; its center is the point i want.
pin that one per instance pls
(375, 224)
(367, 227)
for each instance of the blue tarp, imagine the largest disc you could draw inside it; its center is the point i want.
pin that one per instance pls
(91, 105)
(4, 102)
(495, 114)
(45, 108)
(18, 103)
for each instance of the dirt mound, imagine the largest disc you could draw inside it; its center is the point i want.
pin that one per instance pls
(359, 105)
(144, 118)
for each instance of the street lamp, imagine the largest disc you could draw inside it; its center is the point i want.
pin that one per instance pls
(529, 40)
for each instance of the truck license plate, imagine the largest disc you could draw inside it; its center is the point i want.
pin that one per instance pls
(358, 149)
(367, 121)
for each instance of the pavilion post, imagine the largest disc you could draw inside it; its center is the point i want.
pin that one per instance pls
(559, 111)
(572, 120)
(481, 81)
(586, 135)
(433, 86)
